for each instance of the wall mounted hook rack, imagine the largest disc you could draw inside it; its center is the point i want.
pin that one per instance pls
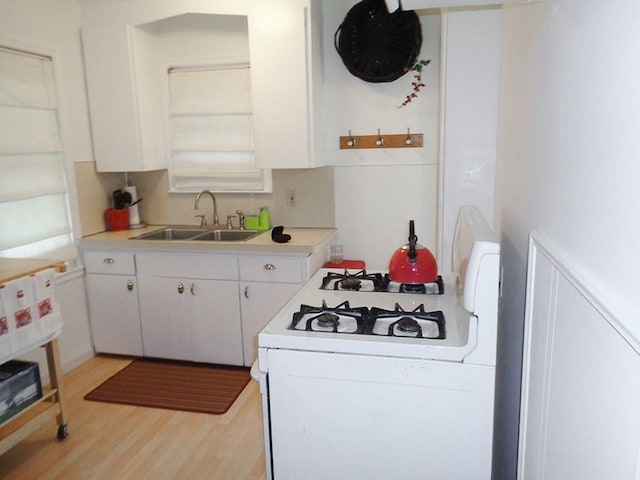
(379, 140)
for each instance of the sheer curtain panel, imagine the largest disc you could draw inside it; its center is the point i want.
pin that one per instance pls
(34, 203)
(211, 123)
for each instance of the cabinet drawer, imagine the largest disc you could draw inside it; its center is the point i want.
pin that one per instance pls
(272, 269)
(110, 262)
(214, 267)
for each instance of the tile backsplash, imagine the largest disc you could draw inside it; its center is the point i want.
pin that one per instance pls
(313, 190)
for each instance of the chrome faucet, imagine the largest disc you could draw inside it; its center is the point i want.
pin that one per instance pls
(215, 207)
(240, 219)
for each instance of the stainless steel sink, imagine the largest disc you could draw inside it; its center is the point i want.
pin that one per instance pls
(170, 233)
(178, 233)
(226, 235)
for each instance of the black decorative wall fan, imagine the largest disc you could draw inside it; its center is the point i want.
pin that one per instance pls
(378, 46)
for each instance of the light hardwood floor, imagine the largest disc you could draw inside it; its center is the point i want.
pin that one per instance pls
(108, 441)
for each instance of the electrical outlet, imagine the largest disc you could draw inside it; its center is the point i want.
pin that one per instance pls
(291, 198)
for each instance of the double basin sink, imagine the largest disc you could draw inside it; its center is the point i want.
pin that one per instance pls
(198, 234)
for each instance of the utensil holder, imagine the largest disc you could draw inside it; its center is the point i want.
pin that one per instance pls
(117, 219)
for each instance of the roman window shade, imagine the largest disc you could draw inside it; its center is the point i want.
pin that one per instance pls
(34, 203)
(211, 127)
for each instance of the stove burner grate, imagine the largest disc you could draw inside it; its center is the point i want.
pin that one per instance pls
(343, 318)
(330, 319)
(352, 281)
(362, 281)
(408, 324)
(429, 288)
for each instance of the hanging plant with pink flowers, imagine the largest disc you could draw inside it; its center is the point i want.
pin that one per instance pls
(417, 81)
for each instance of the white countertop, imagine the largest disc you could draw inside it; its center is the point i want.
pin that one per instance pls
(303, 242)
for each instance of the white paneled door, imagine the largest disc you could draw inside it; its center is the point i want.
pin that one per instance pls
(581, 388)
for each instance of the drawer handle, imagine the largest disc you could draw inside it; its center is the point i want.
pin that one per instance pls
(269, 266)
(180, 287)
(108, 260)
(130, 285)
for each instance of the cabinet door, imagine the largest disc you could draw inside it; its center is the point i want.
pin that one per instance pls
(165, 310)
(281, 76)
(124, 137)
(112, 103)
(191, 319)
(215, 321)
(260, 302)
(113, 313)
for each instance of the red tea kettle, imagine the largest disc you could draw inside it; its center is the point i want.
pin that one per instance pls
(413, 263)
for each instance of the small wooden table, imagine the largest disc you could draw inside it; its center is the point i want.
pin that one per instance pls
(51, 405)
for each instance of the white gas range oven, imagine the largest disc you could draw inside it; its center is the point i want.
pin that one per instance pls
(361, 381)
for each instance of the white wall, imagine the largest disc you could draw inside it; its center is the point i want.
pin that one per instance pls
(472, 41)
(377, 191)
(569, 116)
(374, 205)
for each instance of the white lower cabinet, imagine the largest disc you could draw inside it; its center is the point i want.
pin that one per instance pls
(191, 319)
(267, 283)
(165, 318)
(189, 307)
(112, 292)
(199, 307)
(259, 303)
(113, 310)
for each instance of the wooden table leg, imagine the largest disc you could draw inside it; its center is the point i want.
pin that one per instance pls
(55, 378)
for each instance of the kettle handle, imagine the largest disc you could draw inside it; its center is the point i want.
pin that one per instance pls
(413, 240)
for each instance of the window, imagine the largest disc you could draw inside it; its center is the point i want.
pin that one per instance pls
(34, 203)
(211, 125)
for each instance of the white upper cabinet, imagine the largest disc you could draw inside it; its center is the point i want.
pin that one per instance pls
(285, 49)
(393, 5)
(124, 139)
(127, 55)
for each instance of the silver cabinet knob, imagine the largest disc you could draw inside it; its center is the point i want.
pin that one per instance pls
(130, 285)
(108, 260)
(180, 287)
(269, 266)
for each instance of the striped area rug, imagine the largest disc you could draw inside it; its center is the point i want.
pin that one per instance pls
(188, 386)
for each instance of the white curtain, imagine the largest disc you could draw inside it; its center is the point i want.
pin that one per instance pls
(211, 126)
(34, 207)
